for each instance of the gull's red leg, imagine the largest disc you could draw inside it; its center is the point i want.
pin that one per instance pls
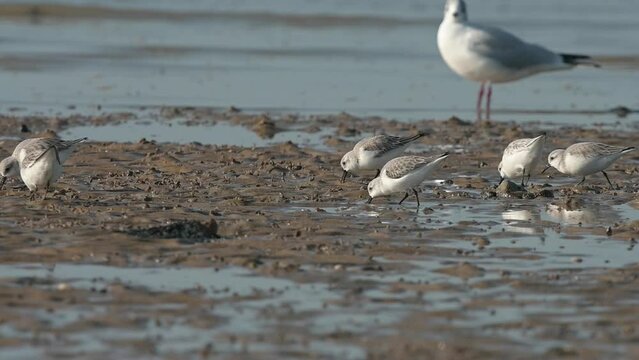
(480, 97)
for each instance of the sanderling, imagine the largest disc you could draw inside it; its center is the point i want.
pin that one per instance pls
(403, 174)
(490, 55)
(521, 158)
(374, 152)
(586, 158)
(38, 161)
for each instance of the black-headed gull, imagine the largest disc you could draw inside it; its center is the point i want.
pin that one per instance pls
(490, 55)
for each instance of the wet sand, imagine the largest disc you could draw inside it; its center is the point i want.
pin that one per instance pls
(175, 250)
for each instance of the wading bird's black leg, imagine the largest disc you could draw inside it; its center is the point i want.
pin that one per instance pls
(378, 172)
(416, 197)
(523, 176)
(606, 175)
(582, 181)
(405, 196)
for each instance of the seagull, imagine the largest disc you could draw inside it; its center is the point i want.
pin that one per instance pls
(520, 158)
(490, 55)
(374, 152)
(403, 174)
(586, 158)
(38, 162)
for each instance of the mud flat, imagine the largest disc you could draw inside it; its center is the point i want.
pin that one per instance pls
(191, 249)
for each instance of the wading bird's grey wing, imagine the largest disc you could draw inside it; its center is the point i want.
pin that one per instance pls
(37, 149)
(591, 150)
(382, 144)
(402, 166)
(517, 146)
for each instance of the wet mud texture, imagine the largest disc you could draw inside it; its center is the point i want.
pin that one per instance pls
(455, 279)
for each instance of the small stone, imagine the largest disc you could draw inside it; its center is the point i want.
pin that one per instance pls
(63, 286)
(509, 188)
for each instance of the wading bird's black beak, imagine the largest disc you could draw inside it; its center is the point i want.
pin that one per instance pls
(546, 168)
(2, 181)
(501, 180)
(370, 200)
(344, 175)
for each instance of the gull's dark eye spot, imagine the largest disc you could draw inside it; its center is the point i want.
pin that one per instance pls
(456, 14)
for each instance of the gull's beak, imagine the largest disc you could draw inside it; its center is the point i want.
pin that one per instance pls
(501, 180)
(344, 175)
(370, 200)
(546, 168)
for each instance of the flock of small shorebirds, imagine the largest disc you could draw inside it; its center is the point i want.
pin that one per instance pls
(476, 52)
(397, 173)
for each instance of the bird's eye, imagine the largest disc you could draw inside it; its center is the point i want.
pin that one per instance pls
(343, 162)
(456, 14)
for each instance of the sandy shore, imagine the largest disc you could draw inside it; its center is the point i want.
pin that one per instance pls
(457, 279)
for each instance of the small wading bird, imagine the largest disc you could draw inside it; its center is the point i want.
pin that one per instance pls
(520, 159)
(374, 152)
(38, 162)
(586, 158)
(403, 174)
(490, 55)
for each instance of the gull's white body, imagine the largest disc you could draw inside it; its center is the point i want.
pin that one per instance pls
(521, 157)
(403, 174)
(374, 152)
(586, 158)
(487, 54)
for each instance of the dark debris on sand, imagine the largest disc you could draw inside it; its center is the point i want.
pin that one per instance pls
(186, 231)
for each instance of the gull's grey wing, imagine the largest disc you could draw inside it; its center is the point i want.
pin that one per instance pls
(592, 150)
(401, 166)
(385, 143)
(508, 50)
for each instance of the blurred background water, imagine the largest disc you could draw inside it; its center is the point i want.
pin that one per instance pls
(305, 56)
